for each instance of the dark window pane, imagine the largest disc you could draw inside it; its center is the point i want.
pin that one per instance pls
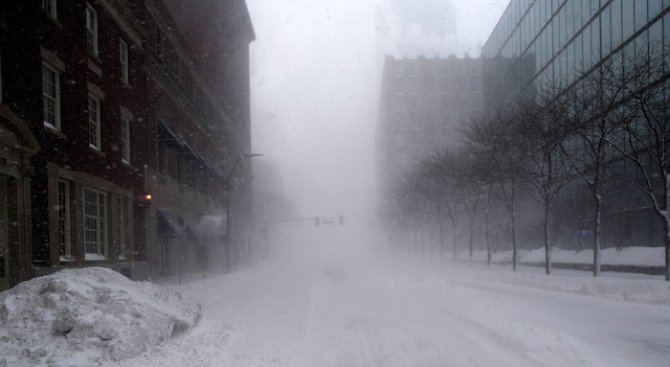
(640, 14)
(616, 23)
(655, 7)
(606, 31)
(628, 18)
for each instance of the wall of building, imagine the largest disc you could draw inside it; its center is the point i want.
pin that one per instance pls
(64, 169)
(556, 42)
(539, 44)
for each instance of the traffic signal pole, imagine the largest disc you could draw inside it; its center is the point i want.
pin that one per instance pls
(317, 222)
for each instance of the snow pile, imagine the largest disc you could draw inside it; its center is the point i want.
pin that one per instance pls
(628, 256)
(496, 257)
(634, 256)
(79, 317)
(630, 289)
(211, 226)
(627, 287)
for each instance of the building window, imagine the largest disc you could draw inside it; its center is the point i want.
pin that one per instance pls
(121, 227)
(165, 255)
(163, 158)
(177, 67)
(91, 30)
(50, 97)
(95, 224)
(50, 9)
(158, 43)
(125, 140)
(94, 122)
(123, 60)
(63, 229)
(188, 85)
(0, 75)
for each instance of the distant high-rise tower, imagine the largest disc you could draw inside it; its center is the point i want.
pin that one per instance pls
(416, 27)
(423, 105)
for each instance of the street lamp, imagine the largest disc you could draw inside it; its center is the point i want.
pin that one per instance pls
(228, 187)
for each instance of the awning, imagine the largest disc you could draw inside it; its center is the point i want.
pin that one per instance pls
(211, 226)
(206, 227)
(165, 134)
(170, 224)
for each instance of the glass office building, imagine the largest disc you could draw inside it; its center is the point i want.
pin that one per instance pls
(546, 43)
(551, 42)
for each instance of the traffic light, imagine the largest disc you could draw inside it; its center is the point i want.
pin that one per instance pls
(317, 221)
(341, 220)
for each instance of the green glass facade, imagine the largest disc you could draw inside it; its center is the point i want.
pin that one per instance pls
(553, 42)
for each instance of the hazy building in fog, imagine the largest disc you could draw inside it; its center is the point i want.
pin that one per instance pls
(270, 200)
(550, 43)
(409, 28)
(423, 104)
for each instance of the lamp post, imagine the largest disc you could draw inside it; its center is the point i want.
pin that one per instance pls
(228, 187)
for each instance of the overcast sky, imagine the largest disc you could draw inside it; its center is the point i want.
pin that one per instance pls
(315, 92)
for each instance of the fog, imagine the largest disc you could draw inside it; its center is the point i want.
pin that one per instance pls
(425, 183)
(315, 77)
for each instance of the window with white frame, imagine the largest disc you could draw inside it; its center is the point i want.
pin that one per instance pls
(63, 230)
(94, 122)
(125, 139)
(0, 74)
(49, 8)
(121, 227)
(158, 43)
(123, 60)
(91, 30)
(177, 67)
(95, 224)
(50, 96)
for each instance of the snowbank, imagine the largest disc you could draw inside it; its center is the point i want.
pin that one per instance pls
(80, 317)
(634, 256)
(628, 256)
(620, 286)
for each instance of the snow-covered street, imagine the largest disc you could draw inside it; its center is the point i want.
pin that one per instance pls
(341, 308)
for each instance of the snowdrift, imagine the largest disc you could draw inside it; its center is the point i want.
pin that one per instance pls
(80, 317)
(628, 256)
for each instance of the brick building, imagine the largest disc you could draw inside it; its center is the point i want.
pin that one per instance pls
(102, 103)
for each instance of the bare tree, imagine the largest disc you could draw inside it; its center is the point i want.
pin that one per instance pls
(647, 136)
(494, 138)
(443, 168)
(594, 126)
(462, 188)
(542, 130)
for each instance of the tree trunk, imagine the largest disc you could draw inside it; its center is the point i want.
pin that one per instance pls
(666, 221)
(667, 248)
(596, 234)
(422, 230)
(547, 248)
(441, 226)
(471, 239)
(513, 214)
(454, 239)
(487, 229)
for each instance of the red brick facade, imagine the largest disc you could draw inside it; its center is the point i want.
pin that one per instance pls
(162, 130)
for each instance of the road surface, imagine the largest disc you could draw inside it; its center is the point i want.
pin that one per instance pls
(348, 311)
